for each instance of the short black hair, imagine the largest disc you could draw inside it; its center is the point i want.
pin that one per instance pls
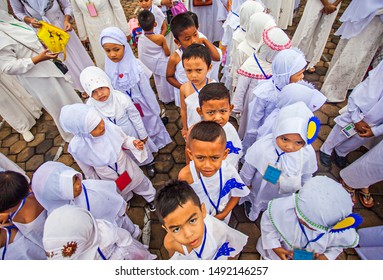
(213, 91)
(197, 50)
(179, 23)
(14, 187)
(194, 17)
(207, 131)
(172, 195)
(146, 20)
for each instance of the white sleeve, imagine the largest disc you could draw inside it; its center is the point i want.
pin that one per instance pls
(66, 6)
(10, 64)
(120, 16)
(135, 117)
(239, 94)
(79, 19)
(247, 173)
(88, 170)
(18, 9)
(269, 235)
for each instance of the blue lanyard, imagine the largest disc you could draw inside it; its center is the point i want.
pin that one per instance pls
(115, 169)
(150, 9)
(199, 254)
(113, 120)
(8, 231)
(309, 241)
(195, 88)
(234, 13)
(220, 191)
(11, 216)
(260, 67)
(101, 254)
(279, 155)
(276, 86)
(86, 197)
(129, 92)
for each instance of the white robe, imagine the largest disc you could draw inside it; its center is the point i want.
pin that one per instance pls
(192, 103)
(181, 77)
(159, 17)
(234, 143)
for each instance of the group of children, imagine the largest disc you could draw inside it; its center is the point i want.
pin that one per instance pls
(268, 168)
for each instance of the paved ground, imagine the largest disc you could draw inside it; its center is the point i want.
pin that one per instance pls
(48, 145)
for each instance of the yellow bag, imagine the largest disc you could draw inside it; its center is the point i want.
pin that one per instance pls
(54, 38)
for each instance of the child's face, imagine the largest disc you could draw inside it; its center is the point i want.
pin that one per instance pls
(187, 37)
(207, 156)
(196, 70)
(216, 110)
(186, 224)
(77, 187)
(145, 4)
(115, 52)
(99, 129)
(101, 94)
(290, 143)
(297, 76)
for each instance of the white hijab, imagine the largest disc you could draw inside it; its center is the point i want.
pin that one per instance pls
(257, 23)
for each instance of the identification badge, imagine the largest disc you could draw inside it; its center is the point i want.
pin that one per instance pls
(91, 9)
(349, 130)
(139, 108)
(123, 181)
(272, 174)
(302, 254)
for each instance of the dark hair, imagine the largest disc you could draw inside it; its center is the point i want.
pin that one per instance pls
(207, 131)
(213, 91)
(197, 50)
(194, 17)
(14, 187)
(146, 20)
(179, 23)
(175, 193)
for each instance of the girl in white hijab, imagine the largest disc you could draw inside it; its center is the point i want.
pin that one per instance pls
(98, 148)
(280, 163)
(72, 233)
(287, 67)
(55, 184)
(310, 219)
(129, 77)
(118, 108)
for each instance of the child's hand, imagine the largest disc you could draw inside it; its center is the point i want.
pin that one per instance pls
(367, 132)
(145, 139)
(283, 253)
(360, 126)
(320, 257)
(220, 216)
(329, 9)
(4, 218)
(138, 144)
(44, 55)
(67, 25)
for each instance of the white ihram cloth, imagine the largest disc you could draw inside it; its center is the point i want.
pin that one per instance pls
(234, 143)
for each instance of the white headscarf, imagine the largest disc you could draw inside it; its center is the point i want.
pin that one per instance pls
(124, 74)
(247, 9)
(80, 120)
(70, 233)
(257, 23)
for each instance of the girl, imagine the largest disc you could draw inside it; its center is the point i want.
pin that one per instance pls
(287, 67)
(98, 148)
(55, 184)
(72, 233)
(279, 163)
(118, 108)
(128, 77)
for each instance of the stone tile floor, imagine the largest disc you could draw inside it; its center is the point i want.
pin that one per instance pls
(48, 145)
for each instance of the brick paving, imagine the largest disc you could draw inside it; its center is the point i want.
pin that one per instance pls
(48, 145)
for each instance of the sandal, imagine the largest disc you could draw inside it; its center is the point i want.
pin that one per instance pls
(350, 190)
(366, 199)
(311, 70)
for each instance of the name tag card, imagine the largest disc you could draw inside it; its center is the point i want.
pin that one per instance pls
(272, 174)
(349, 130)
(302, 254)
(123, 181)
(91, 9)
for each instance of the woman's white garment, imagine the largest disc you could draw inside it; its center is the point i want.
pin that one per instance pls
(282, 11)
(360, 39)
(234, 143)
(232, 186)
(18, 108)
(44, 81)
(370, 243)
(109, 13)
(364, 103)
(153, 56)
(313, 31)
(220, 239)
(77, 58)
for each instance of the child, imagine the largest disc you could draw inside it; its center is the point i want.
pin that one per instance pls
(72, 233)
(185, 33)
(118, 108)
(55, 184)
(161, 26)
(309, 221)
(196, 61)
(208, 169)
(364, 111)
(214, 105)
(279, 164)
(153, 51)
(19, 207)
(128, 77)
(191, 233)
(98, 148)
(287, 67)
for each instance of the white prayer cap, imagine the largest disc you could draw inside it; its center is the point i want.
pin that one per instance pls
(70, 233)
(92, 78)
(257, 23)
(274, 40)
(110, 40)
(322, 202)
(247, 9)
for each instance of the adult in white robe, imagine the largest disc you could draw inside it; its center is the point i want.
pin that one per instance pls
(282, 11)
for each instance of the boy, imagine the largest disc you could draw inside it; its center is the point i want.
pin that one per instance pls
(153, 51)
(161, 27)
(214, 105)
(216, 182)
(185, 33)
(191, 234)
(196, 61)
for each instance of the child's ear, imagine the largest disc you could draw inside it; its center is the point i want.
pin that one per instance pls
(199, 111)
(203, 210)
(177, 42)
(226, 153)
(231, 108)
(189, 153)
(155, 23)
(209, 68)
